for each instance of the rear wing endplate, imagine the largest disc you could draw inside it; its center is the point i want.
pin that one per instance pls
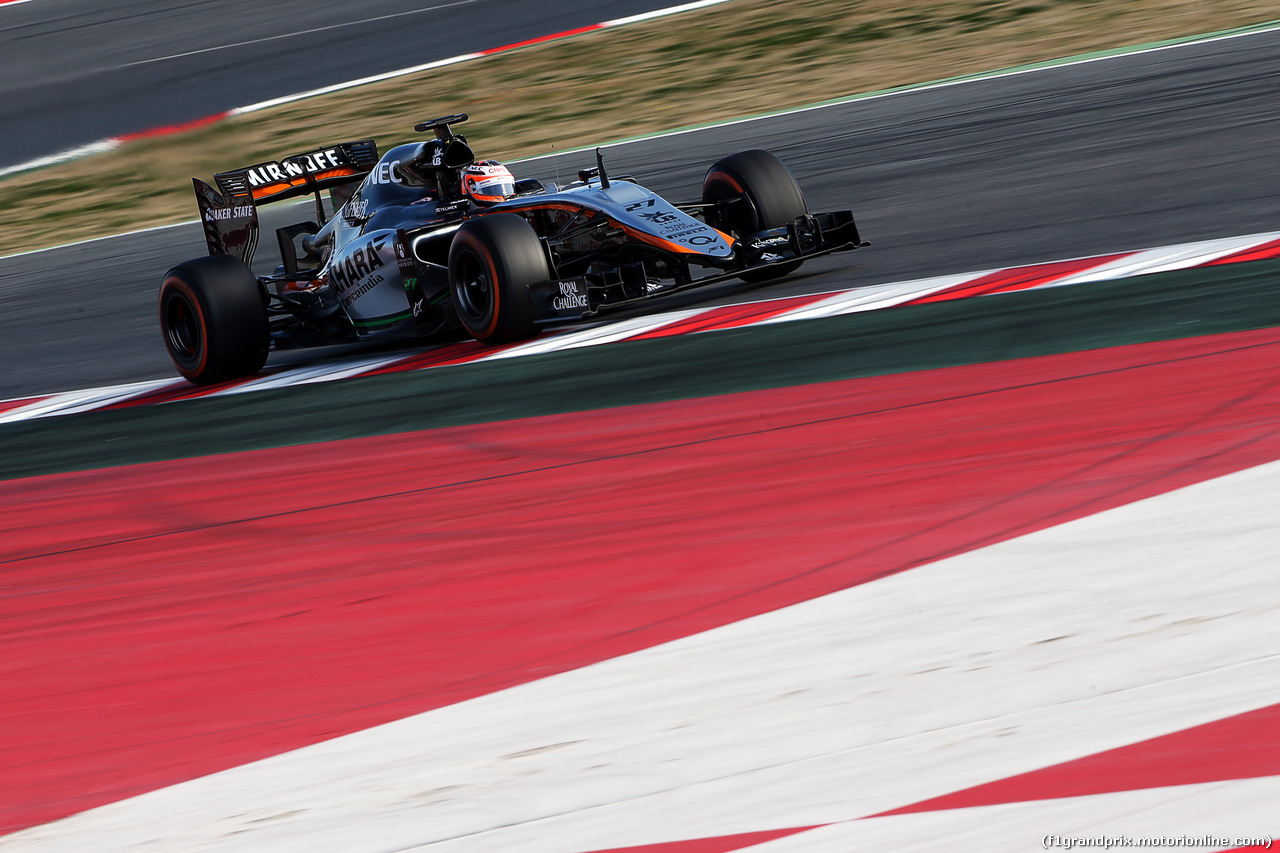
(229, 212)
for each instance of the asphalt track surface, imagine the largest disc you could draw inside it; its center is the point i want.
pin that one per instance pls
(1130, 152)
(163, 62)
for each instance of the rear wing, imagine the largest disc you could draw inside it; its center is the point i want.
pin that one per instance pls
(229, 213)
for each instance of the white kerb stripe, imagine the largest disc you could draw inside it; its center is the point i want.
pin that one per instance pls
(1166, 259)
(329, 371)
(596, 335)
(661, 13)
(874, 297)
(84, 401)
(351, 84)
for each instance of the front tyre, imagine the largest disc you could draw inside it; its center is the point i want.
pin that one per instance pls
(761, 194)
(492, 260)
(213, 315)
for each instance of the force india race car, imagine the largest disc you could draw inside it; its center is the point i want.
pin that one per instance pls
(426, 242)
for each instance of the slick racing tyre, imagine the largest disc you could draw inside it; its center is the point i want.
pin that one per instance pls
(213, 315)
(492, 260)
(770, 198)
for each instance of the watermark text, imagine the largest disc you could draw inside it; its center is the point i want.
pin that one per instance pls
(1111, 842)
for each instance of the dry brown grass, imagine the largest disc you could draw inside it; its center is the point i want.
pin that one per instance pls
(747, 57)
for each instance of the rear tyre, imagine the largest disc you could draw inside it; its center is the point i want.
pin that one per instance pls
(213, 315)
(771, 198)
(492, 260)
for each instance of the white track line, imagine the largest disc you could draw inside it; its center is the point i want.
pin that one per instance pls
(92, 148)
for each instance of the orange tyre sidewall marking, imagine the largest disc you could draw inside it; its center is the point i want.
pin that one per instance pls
(728, 179)
(494, 287)
(486, 257)
(181, 286)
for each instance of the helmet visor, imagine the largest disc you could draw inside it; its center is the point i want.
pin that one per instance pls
(492, 189)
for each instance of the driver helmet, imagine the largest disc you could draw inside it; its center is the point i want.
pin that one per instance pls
(488, 182)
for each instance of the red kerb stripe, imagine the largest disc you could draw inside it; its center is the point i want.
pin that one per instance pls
(167, 129)
(1257, 253)
(731, 316)
(459, 353)
(541, 39)
(180, 391)
(1018, 278)
(10, 405)
(721, 844)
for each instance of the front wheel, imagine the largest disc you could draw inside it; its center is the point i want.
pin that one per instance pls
(757, 193)
(213, 316)
(492, 261)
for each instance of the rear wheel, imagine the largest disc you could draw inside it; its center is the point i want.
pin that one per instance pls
(762, 194)
(492, 260)
(214, 319)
